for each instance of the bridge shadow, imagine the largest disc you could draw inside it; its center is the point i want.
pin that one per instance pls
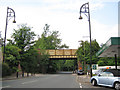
(61, 72)
(64, 72)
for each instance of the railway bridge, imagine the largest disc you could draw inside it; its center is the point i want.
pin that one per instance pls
(63, 54)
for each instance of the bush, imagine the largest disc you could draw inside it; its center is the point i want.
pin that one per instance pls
(6, 71)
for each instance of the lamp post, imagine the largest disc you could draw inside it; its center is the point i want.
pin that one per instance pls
(10, 14)
(85, 9)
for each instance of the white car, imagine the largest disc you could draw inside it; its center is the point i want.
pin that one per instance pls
(106, 79)
(80, 72)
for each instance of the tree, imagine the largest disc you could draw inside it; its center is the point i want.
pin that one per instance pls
(23, 38)
(69, 64)
(63, 46)
(60, 65)
(12, 56)
(49, 40)
(30, 62)
(83, 52)
(106, 61)
(1, 40)
(43, 61)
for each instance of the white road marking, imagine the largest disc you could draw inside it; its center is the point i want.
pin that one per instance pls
(80, 85)
(29, 82)
(5, 86)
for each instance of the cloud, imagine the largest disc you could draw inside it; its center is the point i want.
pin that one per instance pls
(73, 5)
(102, 32)
(61, 15)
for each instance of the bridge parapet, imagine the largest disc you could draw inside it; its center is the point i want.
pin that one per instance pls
(62, 53)
(60, 56)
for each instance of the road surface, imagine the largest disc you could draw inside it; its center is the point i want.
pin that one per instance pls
(63, 80)
(44, 81)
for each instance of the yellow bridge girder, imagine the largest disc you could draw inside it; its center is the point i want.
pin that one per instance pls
(62, 53)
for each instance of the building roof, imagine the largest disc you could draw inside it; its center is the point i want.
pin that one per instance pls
(110, 48)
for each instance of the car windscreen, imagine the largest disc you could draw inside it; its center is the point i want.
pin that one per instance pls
(116, 72)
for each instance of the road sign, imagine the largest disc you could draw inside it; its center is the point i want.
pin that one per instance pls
(94, 66)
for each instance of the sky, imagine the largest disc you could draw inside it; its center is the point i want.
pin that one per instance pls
(62, 16)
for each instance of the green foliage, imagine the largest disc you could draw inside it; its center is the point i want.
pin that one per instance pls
(49, 40)
(30, 60)
(69, 64)
(43, 61)
(106, 61)
(6, 71)
(64, 65)
(60, 65)
(22, 48)
(63, 46)
(52, 66)
(12, 56)
(23, 37)
(83, 52)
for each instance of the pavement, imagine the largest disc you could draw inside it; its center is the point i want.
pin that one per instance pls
(83, 78)
(84, 82)
(13, 76)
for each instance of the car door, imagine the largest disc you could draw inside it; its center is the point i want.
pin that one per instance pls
(103, 78)
(111, 78)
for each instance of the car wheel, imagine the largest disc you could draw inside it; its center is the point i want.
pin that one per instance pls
(94, 82)
(117, 86)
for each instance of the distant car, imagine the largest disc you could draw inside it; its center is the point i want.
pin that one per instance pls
(107, 79)
(80, 72)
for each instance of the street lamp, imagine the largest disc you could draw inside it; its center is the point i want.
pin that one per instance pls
(85, 9)
(10, 14)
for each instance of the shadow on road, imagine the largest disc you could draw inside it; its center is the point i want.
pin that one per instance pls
(64, 72)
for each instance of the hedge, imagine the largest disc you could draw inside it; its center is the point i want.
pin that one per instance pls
(6, 71)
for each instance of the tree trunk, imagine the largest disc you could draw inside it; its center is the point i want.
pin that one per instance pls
(27, 74)
(22, 73)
